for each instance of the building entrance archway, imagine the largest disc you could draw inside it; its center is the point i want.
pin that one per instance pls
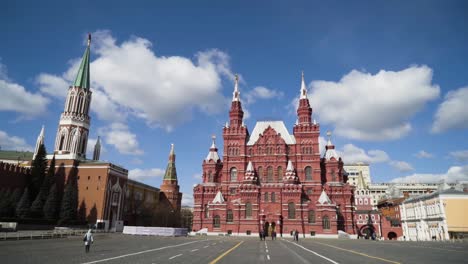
(392, 236)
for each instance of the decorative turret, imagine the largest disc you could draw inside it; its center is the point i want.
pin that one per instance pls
(82, 78)
(169, 187)
(250, 174)
(330, 152)
(171, 173)
(290, 175)
(39, 142)
(97, 149)
(73, 130)
(236, 114)
(213, 153)
(332, 164)
(304, 111)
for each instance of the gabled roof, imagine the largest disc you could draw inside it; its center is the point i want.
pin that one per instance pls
(324, 199)
(278, 126)
(218, 198)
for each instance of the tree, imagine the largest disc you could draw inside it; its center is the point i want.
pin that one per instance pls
(38, 172)
(5, 204)
(38, 204)
(22, 209)
(68, 209)
(52, 203)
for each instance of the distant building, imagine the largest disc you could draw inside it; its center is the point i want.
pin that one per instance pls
(390, 224)
(358, 172)
(141, 204)
(441, 215)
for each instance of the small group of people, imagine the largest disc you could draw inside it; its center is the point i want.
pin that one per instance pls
(263, 235)
(295, 234)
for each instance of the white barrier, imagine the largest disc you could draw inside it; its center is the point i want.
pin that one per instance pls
(154, 231)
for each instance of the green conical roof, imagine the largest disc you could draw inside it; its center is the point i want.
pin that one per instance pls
(171, 173)
(82, 78)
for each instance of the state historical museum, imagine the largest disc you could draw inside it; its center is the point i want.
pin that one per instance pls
(272, 180)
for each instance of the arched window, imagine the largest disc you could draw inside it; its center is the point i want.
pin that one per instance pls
(83, 145)
(311, 216)
(266, 197)
(233, 174)
(333, 175)
(270, 174)
(210, 177)
(308, 173)
(248, 210)
(325, 222)
(62, 138)
(80, 102)
(273, 197)
(280, 173)
(71, 102)
(291, 210)
(207, 212)
(260, 173)
(216, 221)
(229, 216)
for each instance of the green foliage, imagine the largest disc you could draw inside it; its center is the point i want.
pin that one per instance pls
(38, 172)
(22, 209)
(92, 217)
(8, 202)
(52, 203)
(68, 209)
(5, 204)
(38, 204)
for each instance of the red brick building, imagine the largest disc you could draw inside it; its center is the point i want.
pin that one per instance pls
(391, 218)
(273, 180)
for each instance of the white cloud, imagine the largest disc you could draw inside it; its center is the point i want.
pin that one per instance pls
(197, 176)
(140, 174)
(452, 112)
(136, 161)
(8, 142)
(261, 92)
(423, 155)
(354, 154)
(461, 155)
(128, 78)
(455, 173)
(57, 86)
(374, 107)
(16, 98)
(322, 144)
(401, 166)
(187, 199)
(119, 136)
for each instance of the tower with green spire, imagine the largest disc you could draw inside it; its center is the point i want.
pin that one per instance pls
(72, 134)
(169, 188)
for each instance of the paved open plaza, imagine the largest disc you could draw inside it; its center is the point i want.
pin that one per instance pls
(118, 248)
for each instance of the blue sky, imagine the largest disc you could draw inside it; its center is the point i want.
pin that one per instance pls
(387, 77)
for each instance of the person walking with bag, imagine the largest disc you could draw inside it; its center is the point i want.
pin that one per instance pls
(88, 239)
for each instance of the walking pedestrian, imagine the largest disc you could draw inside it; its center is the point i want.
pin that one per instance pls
(88, 239)
(296, 235)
